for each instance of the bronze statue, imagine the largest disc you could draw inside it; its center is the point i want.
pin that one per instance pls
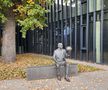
(59, 57)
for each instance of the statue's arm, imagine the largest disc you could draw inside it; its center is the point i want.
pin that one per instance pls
(66, 54)
(54, 56)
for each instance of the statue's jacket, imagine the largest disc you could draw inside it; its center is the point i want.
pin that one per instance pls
(59, 55)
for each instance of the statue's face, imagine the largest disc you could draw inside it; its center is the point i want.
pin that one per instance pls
(60, 45)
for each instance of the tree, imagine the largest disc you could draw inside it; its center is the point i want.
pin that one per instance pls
(29, 14)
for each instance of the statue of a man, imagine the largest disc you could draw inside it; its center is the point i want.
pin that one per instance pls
(59, 57)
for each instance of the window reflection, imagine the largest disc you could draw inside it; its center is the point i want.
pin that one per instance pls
(67, 32)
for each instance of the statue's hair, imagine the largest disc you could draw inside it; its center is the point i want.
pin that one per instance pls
(60, 44)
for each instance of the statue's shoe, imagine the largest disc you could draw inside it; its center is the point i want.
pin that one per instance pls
(59, 78)
(67, 79)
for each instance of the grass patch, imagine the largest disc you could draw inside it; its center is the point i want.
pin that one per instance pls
(17, 69)
(86, 68)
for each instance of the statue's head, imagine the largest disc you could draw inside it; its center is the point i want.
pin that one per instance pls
(60, 45)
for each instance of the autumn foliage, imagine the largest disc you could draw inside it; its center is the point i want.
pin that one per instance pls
(18, 69)
(29, 14)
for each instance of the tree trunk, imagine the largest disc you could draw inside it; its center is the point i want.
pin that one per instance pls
(8, 41)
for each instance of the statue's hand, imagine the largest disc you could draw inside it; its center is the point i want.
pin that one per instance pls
(69, 48)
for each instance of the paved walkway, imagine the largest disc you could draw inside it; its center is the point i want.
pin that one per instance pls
(84, 81)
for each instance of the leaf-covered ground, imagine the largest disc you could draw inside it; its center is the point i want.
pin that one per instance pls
(17, 69)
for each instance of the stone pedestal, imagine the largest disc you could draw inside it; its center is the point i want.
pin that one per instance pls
(47, 72)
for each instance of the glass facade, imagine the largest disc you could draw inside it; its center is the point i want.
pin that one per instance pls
(105, 33)
(81, 24)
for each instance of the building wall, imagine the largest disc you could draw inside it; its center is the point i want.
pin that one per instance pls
(85, 25)
(87, 31)
(87, 34)
(105, 33)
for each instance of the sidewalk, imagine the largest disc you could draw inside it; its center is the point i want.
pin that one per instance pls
(97, 80)
(85, 81)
